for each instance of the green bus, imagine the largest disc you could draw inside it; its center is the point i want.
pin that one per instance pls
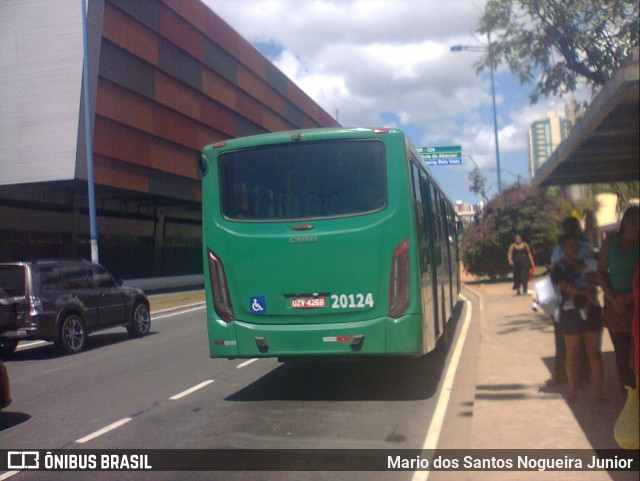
(325, 242)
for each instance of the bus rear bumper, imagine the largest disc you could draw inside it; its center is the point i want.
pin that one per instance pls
(382, 336)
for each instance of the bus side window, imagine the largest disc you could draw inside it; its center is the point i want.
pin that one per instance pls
(421, 219)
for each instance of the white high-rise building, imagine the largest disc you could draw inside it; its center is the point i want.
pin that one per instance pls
(544, 137)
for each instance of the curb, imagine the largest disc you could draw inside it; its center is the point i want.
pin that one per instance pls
(180, 309)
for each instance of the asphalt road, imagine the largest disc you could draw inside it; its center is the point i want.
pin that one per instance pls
(164, 392)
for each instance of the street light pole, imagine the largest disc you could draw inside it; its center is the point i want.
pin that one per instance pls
(460, 48)
(93, 228)
(495, 120)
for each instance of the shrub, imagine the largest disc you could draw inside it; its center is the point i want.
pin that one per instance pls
(519, 209)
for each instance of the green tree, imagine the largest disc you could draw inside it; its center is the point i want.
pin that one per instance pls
(519, 209)
(559, 42)
(478, 183)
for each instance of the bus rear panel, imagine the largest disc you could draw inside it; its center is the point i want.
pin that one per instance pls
(309, 246)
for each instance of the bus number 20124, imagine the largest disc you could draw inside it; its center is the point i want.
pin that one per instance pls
(351, 301)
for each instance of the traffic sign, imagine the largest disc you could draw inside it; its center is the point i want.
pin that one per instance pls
(443, 155)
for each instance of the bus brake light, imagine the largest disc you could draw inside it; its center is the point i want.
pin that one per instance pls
(219, 288)
(399, 280)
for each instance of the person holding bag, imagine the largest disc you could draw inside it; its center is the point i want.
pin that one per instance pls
(569, 226)
(580, 316)
(617, 262)
(627, 428)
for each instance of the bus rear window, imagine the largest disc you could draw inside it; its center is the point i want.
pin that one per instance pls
(303, 180)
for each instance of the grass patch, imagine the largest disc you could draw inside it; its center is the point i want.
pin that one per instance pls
(177, 299)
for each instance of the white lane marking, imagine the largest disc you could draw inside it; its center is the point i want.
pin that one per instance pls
(8, 475)
(246, 363)
(155, 317)
(190, 390)
(437, 421)
(102, 431)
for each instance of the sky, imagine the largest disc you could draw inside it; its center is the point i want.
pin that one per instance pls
(388, 63)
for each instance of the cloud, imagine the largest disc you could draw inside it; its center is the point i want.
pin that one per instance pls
(313, 23)
(354, 55)
(377, 61)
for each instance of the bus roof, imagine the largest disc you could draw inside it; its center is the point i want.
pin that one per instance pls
(306, 134)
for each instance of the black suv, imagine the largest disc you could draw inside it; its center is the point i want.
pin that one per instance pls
(62, 300)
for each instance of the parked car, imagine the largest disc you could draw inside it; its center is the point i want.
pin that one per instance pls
(62, 301)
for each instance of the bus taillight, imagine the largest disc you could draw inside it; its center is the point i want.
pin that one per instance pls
(399, 281)
(219, 288)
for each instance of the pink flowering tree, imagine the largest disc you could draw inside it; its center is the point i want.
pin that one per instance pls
(519, 209)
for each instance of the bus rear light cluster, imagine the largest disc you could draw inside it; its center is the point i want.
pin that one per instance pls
(219, 288)
(399, 280)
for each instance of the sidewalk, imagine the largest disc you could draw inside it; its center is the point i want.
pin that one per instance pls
(513, 408)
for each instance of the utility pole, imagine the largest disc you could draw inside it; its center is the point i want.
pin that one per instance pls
(460, 48)
(89, 140)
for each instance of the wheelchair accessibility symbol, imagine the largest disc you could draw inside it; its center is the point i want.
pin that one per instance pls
(258, 305)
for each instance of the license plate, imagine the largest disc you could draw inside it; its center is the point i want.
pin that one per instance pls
(308, 302)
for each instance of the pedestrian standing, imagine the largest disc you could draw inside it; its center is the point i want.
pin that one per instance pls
(570, 226)
(617, 261)
(580, 316)
(520, 258)
(635, 328)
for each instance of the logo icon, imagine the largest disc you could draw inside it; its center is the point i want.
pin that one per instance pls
(258, 305)
(23, 460)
